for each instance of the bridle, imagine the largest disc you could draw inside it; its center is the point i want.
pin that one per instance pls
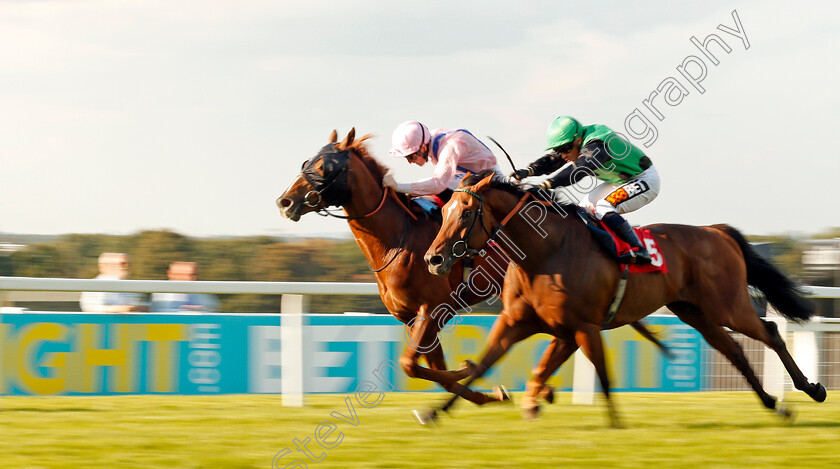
(460, 248)
(332, 188)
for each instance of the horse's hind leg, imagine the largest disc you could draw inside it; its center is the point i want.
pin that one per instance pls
(769, 334)
(589, 338)
(640, 327)
(718, 338)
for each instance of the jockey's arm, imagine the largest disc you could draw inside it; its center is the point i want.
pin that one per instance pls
(445, 170)
(546, 164)
(593, 156)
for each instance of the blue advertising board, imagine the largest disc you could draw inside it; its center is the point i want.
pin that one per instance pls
(101, 354)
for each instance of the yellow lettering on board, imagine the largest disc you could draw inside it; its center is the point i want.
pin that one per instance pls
(30, 338)
(8, 351)
(515, 367)
(647, 360)
(613, 340)
(122, 358)
(466, 342)
(164, 356)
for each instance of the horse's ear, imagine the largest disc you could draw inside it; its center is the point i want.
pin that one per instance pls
(483, 183)
(348, 140)
(334, 136)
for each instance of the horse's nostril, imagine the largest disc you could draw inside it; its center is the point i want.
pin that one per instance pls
(285, 202)
(436, 260)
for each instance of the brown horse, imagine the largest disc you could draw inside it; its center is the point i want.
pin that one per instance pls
(394, 241)
(563, 285)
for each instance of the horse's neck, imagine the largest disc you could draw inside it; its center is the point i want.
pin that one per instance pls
(378, 233)
(537, 242)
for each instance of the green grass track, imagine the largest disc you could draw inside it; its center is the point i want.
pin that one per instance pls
(697, 430)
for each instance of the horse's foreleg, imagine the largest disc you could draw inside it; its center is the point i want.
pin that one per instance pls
(589, 338)
(423, 341)
(437, 362)
(558, 351)
(506, 331)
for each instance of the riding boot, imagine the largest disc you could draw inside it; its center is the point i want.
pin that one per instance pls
(638, 254)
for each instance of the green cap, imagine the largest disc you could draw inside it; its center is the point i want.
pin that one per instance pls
(563, 130)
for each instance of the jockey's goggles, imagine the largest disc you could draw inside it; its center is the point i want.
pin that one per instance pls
(566, 148)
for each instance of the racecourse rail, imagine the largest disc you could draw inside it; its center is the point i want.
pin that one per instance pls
(815, 344)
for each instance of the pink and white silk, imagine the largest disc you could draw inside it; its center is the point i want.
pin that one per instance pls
(457, 151)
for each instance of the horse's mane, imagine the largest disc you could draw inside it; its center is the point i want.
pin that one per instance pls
(502, 184)
(376, 168)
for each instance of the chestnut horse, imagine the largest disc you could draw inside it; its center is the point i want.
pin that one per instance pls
(563, 286)
(394, 241)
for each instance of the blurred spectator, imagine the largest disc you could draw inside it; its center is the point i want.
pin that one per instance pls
(175, 302)
(112, 266)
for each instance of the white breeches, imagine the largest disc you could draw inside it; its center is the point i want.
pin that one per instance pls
(623, 198)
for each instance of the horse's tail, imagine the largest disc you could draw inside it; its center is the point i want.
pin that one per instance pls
(786, 296)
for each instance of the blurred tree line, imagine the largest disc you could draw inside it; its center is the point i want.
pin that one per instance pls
(260, 258)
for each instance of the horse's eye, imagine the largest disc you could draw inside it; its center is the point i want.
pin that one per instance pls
(465, 214)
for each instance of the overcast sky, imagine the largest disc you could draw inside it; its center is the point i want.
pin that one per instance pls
(194, 116)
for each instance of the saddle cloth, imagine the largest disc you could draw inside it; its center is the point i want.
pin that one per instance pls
(430, 205)
(617, 247)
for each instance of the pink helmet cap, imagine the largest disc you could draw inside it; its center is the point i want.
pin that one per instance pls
(408, 138)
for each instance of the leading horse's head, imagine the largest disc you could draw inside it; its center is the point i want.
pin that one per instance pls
(324, 179)
(467, 224)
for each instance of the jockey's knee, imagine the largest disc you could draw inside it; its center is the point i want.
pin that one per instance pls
(602, 207)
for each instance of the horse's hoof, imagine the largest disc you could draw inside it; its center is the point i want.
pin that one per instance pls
(532, 413)
(615, 422)
(819, 393)
(547, 393)
(502, 394)
(427, 419)
(785, 412)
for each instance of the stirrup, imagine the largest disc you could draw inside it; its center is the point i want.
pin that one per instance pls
(640, 259)
(633, 257)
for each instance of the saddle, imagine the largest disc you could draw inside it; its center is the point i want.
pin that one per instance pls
(428, 205)
(616, 247)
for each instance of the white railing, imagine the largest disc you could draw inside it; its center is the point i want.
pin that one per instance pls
(173, 286)
(31, 284)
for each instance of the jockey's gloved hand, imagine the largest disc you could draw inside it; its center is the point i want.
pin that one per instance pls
(521, 173)
(533, 189)
(511, 180)
(388, 181)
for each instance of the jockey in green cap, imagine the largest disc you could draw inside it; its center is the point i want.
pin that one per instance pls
(629, 180)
